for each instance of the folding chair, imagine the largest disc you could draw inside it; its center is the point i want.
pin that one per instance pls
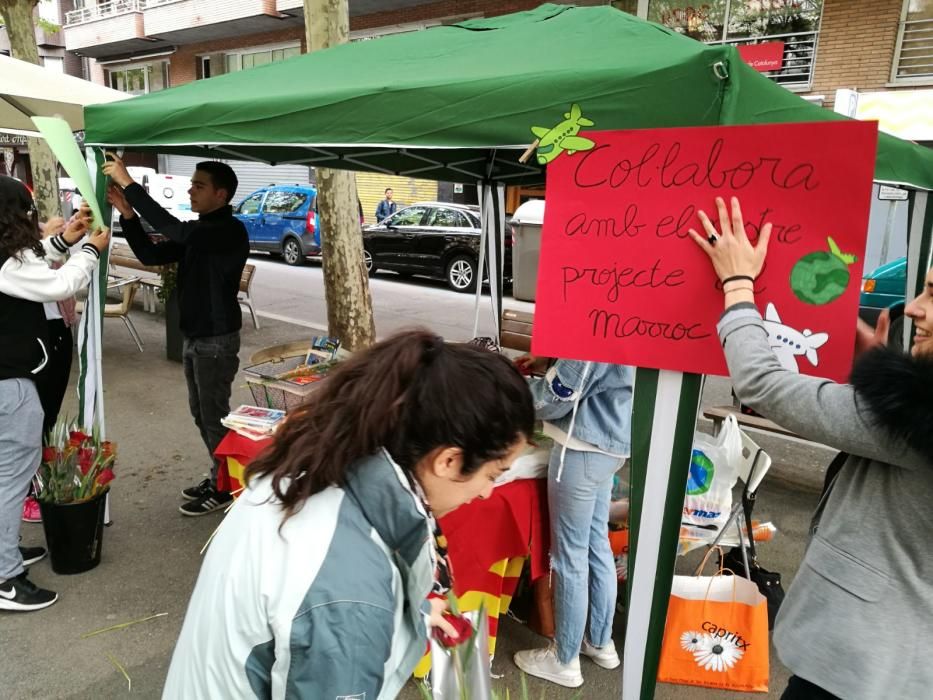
(755, 464)
(121, 310)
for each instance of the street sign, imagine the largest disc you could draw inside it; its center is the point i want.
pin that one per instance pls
(894, 194)
(764, 57)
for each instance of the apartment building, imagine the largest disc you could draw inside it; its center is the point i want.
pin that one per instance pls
(879, 51)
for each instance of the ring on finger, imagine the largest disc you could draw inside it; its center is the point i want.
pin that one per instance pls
(712, 238)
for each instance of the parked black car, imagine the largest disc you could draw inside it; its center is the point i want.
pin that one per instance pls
(434, 239)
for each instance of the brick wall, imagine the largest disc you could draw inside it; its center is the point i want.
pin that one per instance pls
(856, 46)
(183, 63)
(444, 8)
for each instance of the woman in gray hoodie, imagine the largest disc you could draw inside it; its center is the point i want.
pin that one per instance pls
(856, 620)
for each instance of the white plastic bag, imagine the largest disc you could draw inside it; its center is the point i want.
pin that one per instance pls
(714, 469)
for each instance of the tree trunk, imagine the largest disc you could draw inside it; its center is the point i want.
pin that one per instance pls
(346, 284)
(17, 16)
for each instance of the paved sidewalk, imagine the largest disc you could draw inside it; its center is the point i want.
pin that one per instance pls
(151, 553)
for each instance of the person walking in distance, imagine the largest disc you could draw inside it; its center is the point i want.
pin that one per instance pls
(386, 207)
(211, 254)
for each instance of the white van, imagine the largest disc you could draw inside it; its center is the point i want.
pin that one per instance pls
(169, 191)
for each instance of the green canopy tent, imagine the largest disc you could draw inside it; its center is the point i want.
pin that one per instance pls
(457, 103)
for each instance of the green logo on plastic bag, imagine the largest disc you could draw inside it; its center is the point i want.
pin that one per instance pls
(701, 474)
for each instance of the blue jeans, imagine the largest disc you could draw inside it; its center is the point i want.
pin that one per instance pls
(581, 561)
(211, 365)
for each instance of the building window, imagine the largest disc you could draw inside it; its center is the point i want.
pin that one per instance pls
(793, 23)
(252, 59)
(54, 63)
(139, 79)
(913, 58)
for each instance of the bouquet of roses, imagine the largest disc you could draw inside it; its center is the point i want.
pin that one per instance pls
(75, 466)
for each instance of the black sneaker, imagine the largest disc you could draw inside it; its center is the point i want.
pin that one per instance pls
(214, 500)
(22, 595)
(193, 493)
(32, 554)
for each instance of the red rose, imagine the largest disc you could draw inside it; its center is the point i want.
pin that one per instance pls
(78, 436)
(107, 448)
(49, 454)
(85, 459)
(105, 477)
(463, 627)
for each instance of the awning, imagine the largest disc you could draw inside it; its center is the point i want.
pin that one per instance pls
(907, 114)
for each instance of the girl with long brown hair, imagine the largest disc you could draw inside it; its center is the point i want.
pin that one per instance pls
(26, 282)
(316, 583)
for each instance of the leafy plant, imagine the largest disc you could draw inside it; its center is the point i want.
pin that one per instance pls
(169, 275)
(48, 27)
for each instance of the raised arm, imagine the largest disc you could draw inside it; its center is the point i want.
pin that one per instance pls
(31, 277)
(814, 408)
(149, 253)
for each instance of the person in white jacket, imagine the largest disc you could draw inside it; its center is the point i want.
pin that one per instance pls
(26, 282)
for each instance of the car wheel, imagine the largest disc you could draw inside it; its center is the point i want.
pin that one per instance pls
(461, 274)
(291, 252)
(368, 262)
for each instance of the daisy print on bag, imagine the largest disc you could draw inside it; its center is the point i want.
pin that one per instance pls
(717, 654)
(691, 641)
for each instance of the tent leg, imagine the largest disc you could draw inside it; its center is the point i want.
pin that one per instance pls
(663, 423)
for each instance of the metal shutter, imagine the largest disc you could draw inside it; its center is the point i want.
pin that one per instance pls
(371, 189)
(251, 175)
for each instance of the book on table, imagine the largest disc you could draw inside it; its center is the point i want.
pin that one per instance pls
(256, 416)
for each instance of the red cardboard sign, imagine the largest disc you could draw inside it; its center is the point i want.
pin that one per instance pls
(763, 57)
(621, 281)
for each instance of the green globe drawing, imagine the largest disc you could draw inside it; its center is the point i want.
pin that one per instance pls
(700, 476)
(821, 277)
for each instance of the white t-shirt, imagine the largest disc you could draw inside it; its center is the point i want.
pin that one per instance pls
(560, 437)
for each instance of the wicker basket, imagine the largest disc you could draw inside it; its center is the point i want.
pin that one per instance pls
(273, 393)
(268, 364)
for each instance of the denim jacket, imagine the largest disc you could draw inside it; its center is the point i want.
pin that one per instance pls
(604, 418)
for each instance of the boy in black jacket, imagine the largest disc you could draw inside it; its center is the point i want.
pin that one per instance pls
(211, 253)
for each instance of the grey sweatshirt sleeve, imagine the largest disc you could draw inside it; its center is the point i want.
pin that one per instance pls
(814, 408)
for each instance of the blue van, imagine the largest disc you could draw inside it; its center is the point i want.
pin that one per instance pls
(882, 288)
(282, 220)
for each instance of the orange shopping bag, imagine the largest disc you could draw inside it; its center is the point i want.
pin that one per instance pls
(716, 634)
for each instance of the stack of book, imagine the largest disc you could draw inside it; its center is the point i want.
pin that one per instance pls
(254, 422)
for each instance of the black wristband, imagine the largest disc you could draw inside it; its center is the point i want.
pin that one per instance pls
(735, 278)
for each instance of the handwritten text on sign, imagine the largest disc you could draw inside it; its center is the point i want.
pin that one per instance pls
(621, 281)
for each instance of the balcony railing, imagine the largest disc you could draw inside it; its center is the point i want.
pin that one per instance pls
(799, 57)
(913, 59)
(114, 8)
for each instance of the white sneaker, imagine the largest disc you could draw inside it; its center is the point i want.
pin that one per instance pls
(543, 663)
(606, 656)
